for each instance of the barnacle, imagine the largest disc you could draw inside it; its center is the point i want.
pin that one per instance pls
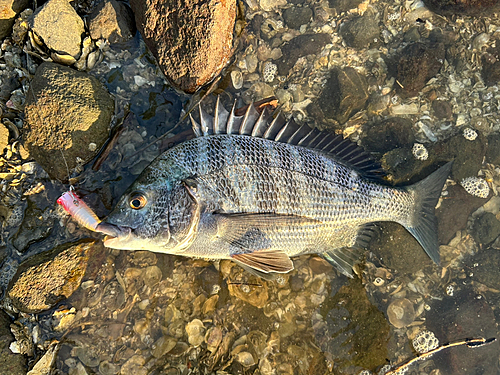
(476, 186)
(425, 341)
(470, 134)
(269, 71)
(419, 151)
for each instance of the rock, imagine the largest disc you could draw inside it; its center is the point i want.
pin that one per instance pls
(47, 278)
(492, 154)
(10, 363)
(442, 109)
(491, 65)
(4, 137)
(72, 110)
(344, 5)
(8, 12)
(63, 36)
(463, 7)
(297, 16)
(418, 63)
(269, 5)
(36, 226)
(486, 272)
(345, 93)
(486, 228)
(401, 313)
(354, 332)
(453, 217)
(302, 45)
(112, 20)
(191, 40)
(389, 134)
(361, 32)
(463, 316)
(398, 249)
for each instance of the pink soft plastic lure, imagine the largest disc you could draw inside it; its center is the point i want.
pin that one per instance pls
(79, 210)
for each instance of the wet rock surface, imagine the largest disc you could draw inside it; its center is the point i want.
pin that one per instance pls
(63, 36)
(192, 41)
(361, 32)
(11, 363)
(298, 47)
(9, 10)
(418, 63)
(463, 7)
(4, 137)
(344, 94)
(486, 271)
(45, 280)
(297, 16)
(486, 228)
(394, 132)
(473, 317)
(112, 20)
(72, 110)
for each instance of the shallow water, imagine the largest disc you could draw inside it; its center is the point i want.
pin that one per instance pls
(146, 313)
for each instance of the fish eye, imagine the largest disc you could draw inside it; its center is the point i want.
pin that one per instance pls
(137, 200)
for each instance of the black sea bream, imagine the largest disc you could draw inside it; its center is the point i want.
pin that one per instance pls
(259, 190)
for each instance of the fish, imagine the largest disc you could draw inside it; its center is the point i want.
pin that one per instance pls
(259, 190)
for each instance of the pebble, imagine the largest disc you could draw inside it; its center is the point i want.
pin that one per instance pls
(401, 313)
(195, 331)
(237, 79)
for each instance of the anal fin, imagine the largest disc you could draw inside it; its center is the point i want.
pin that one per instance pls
(265, 261)
(343, 259)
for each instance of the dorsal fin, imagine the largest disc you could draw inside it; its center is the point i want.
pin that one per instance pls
(278, 129)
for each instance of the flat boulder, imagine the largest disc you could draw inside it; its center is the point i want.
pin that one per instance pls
(70, 117)
(191, 40)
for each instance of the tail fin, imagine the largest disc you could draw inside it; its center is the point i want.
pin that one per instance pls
(427, 193)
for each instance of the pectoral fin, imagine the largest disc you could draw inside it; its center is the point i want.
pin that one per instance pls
(265, 261)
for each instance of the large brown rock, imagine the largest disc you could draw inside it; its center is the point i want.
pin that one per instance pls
(191, 40)
(48, 278)
(8, 12)
(70, 117)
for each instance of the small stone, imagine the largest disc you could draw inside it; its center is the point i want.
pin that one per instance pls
(401, 313)
(135, 365)
(195, 331)
(213, 338)
(237, 79)
(418, 63)
(344, 94)
(361, 32)
(269, 5)
(4, 137)
(63, 36)
(112, 20)
(486, 228)
(245, 359)
(296, 16)
(163, 345)
(108, 368)
(344, 5)
(388, 134)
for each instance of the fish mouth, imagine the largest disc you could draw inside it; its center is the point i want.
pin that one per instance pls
(115, 234)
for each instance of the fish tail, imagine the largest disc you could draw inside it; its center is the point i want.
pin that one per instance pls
(424, 222)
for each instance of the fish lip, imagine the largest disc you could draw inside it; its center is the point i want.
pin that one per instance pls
(114, 233)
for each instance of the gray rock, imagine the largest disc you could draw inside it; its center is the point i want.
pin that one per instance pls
(486, 272)
(344, 5)
(63, 36)
(36, 226)
(486, 228)
(47, 278)
(191, 40)
(361, 32)
(297, 16)
(8, 12)
(10, 363)
(298, 47)
(388, 134)
(345, 93)
(72, 110)
(112, 20)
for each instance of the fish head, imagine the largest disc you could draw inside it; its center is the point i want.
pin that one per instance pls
(152, 217)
